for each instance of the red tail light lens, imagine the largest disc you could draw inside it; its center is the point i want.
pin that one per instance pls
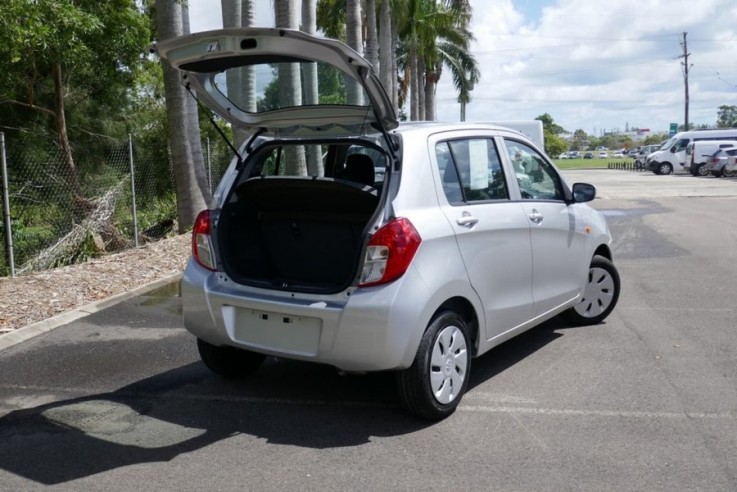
(390, 252)
(201, 244)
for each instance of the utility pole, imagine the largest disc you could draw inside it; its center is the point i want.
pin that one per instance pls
(686, 67)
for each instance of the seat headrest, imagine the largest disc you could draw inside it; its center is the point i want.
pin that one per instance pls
(358, 168)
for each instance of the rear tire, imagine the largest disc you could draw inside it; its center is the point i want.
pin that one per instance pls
(729, 174)
(433, 385)
(229, 362)
(600, 296)
(701, 170)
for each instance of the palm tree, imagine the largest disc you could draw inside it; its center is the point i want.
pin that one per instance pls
(311, 93)
(387, 48)
(290, 88)
(186, 150)
(436, 34)
(354, 39)
(372, 41)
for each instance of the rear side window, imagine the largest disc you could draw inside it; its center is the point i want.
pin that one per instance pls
(471, 170)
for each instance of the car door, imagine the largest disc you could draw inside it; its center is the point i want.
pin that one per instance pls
(557, 233)
(492, 232)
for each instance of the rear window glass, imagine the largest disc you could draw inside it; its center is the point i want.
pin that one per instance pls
(288, 84)
(358, 164)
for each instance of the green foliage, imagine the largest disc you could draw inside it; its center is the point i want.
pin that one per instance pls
(554, 144)
(580, 140)
(549, 125)
(100, 48)
(727, 117)
(655, 139)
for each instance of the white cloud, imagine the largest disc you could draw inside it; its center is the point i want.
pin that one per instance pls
(591, 64)
(601, 64)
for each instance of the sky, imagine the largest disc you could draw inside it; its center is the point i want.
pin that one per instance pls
(595, 65)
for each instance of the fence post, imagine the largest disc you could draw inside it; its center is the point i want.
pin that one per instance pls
(133, 189)
(209, 166)
(6, 206)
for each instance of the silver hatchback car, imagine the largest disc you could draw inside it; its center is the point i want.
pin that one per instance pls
(340, 237)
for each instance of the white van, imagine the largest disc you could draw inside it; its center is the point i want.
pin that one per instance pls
(671, 158)
(697, 153)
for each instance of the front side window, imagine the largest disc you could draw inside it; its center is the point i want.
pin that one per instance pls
(471, 170)
(537, 179)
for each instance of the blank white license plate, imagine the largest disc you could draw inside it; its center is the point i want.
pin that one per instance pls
(274, 331)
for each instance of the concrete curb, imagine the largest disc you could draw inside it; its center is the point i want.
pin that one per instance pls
(44, 326)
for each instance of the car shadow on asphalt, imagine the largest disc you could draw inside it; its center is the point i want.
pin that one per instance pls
(187, 409)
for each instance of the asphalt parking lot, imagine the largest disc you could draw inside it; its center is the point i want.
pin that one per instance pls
(645, 401)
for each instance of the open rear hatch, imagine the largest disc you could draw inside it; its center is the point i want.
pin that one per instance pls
(282, 81)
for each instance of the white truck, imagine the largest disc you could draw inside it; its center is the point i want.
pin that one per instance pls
(671, 158)
(533, 129)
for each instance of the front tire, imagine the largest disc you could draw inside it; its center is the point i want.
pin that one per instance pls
(701, 170)
(665, 168)
(229, 362)
(600, 296)
(729, 174)
(433, 385)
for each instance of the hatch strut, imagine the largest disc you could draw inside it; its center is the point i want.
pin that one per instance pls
(217, 128)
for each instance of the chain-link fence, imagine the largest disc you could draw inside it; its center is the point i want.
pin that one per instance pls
(58, 211)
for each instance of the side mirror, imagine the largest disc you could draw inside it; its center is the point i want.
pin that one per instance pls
(673, 150)
(583, 192)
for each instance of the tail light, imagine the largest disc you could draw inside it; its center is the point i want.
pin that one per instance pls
(390, 252)
(201, 244)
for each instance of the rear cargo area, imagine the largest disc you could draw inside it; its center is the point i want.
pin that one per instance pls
(295, 233)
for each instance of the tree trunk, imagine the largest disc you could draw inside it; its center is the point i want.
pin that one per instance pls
(61, 128)
(394, 68)
(248, 75)
(311, 89)
(232, 15)
(386, 49)
(420, 89)
(414, 100)
(186, 151)
(290, 88)
(353, 39)
(372, 41)
(431, 83)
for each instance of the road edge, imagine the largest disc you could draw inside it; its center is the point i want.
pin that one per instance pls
(44, 326)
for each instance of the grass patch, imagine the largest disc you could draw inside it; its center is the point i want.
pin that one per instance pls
(588, 163)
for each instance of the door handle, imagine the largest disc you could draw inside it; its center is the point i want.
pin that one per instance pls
(467, 220)
(536, 216)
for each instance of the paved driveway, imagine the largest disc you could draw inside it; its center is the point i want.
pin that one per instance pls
(645, 401)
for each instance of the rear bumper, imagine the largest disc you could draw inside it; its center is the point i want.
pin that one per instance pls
(358, 330)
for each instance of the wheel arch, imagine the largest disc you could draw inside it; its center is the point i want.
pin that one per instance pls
(464, 308)
(603, 250)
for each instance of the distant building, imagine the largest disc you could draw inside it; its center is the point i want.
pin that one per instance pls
(636, 135)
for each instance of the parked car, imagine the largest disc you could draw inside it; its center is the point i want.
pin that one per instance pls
(471, 237)
(715, 165)
(588, 155)
(564, 155)
(699, 152)
(618, 154)
(645, 150)
(731, 165)
(603, 155)
(574, 154)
